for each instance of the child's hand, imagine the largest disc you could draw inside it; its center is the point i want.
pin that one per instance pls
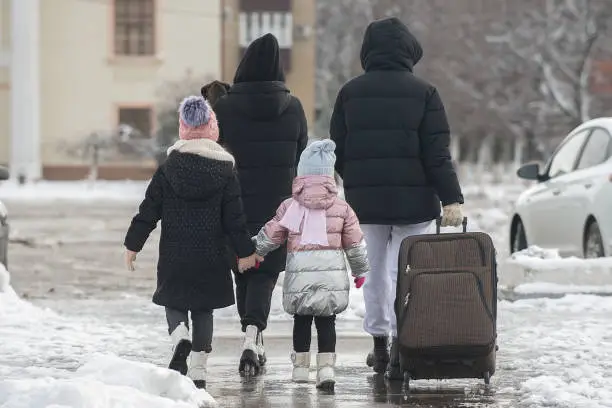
(130, 257)
(249, 262)
(359, 281)
(246, 263)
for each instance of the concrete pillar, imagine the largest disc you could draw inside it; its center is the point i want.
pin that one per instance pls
(25, 160)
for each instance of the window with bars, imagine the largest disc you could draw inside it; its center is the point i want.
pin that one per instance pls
(134, 27)
(253, 25)
(259, 17)
(140, 119)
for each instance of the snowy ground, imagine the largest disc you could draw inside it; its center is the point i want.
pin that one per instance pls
(86, 334)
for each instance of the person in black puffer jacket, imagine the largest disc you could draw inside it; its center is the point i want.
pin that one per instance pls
(265, 128)
(392, 138)
(196, 195)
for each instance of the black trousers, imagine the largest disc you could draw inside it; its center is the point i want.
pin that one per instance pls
(253, 297)
(326, 333)
(202, 332)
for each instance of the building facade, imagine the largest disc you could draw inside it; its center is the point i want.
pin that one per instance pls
(69, 68)
(292, 22)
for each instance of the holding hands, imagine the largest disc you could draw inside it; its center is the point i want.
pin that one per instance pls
(249, 262)
(244, 264)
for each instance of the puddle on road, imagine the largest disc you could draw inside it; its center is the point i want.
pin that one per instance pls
(355, 387)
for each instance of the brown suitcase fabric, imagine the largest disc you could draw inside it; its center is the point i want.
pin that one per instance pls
(446, 305)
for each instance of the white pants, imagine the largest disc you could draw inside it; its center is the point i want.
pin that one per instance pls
(383, 243)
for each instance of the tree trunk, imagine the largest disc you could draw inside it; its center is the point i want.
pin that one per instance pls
(519, 151)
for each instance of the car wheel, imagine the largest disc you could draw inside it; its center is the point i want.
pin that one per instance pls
(593, 243)
(519, 239)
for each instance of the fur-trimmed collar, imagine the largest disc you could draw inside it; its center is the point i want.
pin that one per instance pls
(202, 147)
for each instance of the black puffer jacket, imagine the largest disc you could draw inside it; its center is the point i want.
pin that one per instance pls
(196, 195)
(265, 128)
(392, 134)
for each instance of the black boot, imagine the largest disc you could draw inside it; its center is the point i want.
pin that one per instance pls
(378, 358)
(394, 371)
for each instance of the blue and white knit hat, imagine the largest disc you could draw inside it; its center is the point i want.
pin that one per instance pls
(318, 159)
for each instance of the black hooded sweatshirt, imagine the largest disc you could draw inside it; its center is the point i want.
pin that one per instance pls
(265, 128)
(392, 134)
(197, 199)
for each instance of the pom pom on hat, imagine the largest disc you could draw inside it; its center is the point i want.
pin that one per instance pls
(318, 159)
(197, 120)
(195, 111)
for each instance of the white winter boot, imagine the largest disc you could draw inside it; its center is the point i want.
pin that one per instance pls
(249, 361)
(181, 347)
(301, 367)
(197, 368)
(325, 371)
(261, 351)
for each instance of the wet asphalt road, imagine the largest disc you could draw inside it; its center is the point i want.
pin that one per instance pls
(357, 385)
(68, 256)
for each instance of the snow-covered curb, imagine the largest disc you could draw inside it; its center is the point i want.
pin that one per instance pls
(29, 333)
(547, 268)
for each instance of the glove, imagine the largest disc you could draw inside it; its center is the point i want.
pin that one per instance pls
(359, 281)
(452, 216)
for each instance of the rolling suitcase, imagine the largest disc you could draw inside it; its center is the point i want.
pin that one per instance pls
(446, 305)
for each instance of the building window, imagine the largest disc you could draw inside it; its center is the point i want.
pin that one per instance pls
(141, 119)
(134, 27)
(254, 24)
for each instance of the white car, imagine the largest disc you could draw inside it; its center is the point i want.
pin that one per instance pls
(570, 208)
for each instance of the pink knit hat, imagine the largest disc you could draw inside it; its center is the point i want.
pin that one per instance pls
(197, 120)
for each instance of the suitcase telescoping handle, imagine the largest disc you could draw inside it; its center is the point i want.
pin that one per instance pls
(439, 224)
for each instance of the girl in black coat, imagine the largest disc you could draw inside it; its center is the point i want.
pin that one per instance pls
(196, 195)
(265, 128)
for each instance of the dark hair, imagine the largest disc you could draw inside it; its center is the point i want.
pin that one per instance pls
(214, 91)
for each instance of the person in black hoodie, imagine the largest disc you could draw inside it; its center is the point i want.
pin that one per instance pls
(196, 195)
(265, 128)
(393, 155)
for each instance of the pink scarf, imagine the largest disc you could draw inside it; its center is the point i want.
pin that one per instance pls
(315, 223)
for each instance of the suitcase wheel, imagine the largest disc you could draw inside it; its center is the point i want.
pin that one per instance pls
(487, 378)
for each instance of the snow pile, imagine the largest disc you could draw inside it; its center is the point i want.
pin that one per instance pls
(535, 252)
(538, 265)
(107, 381)
(555, 289)
(562, 347)
(41, 376)
(126, 191)
(5, 279)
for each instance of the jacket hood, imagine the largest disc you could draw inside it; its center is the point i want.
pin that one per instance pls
(198, 169)
(261, 100)
(315, 192)
(215, 90)
(261, 62)
(389, 45)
